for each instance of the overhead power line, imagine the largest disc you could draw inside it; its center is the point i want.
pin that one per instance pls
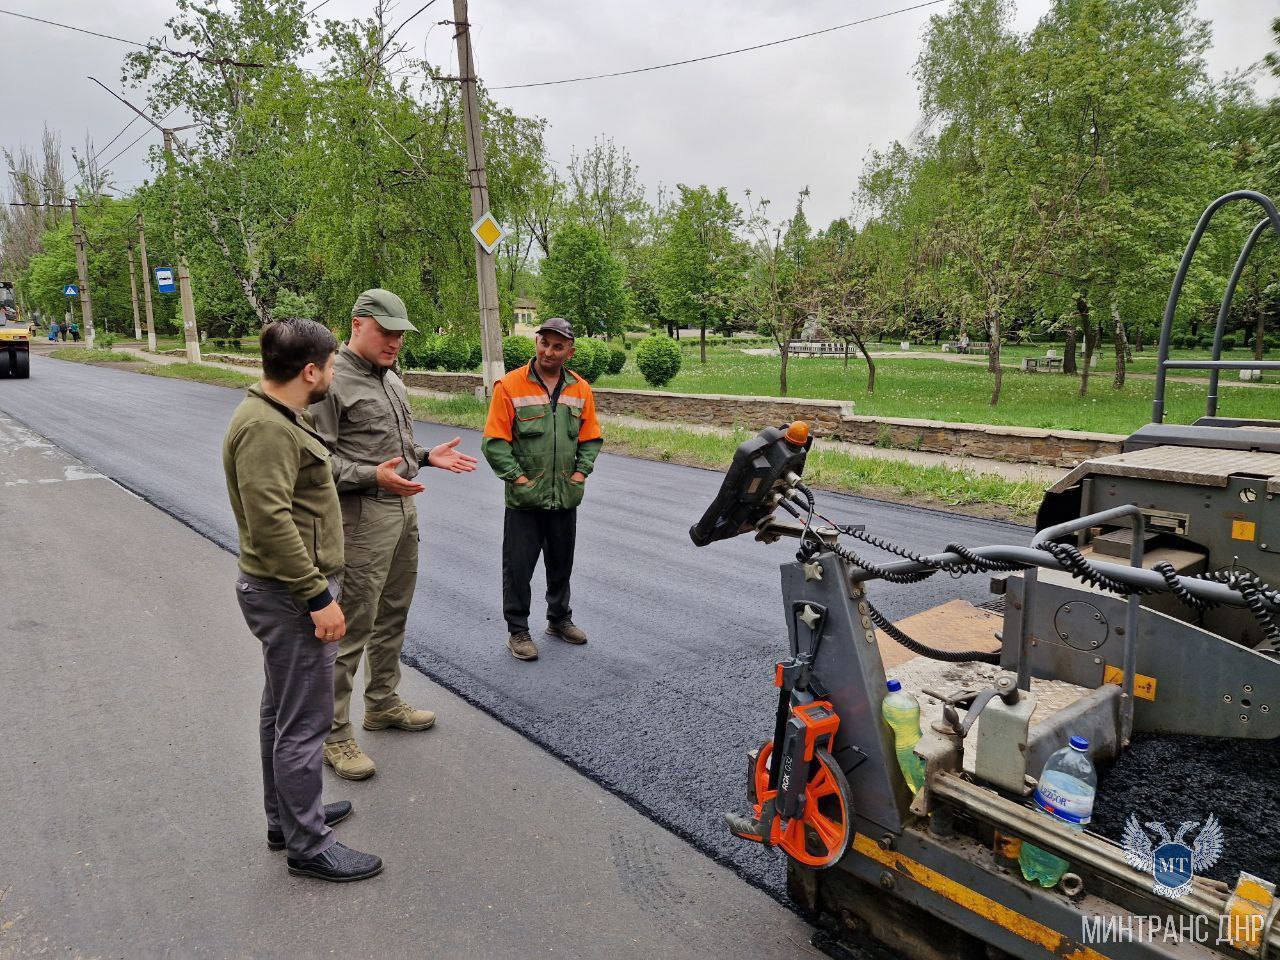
(180, 54)
(726, 53)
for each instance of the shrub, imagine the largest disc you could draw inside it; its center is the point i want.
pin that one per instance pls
(658, 360)
(516, 351)
(453, 352)
(1230, 341)
(590, 360)
(617, 360)
(105, 341)
(413, 355)
(477, 355)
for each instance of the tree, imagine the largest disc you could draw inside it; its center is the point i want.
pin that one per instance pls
(604, 191)
(582, 282)
(702, 261)
(778, 288)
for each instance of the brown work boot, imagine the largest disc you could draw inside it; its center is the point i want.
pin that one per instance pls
(567, 631)
(522, 646)
(401, 716)
(348, 760)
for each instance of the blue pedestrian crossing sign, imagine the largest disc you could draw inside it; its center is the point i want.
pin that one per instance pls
(71, 290)
(164, 280)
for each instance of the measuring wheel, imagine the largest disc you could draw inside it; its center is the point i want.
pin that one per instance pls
(820, 835)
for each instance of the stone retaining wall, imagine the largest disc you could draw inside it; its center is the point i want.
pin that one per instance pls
(830, 419)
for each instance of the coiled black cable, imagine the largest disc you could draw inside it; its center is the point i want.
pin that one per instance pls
(1171, 580)
(923, 650)
(1073, 561)
(1256, 594)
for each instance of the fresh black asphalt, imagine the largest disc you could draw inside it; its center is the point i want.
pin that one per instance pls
(675, 685)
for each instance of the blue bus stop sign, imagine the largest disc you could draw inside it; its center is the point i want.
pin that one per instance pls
(164, 280)
(71, 290)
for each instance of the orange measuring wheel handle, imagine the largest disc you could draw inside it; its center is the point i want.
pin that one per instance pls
(821, 834)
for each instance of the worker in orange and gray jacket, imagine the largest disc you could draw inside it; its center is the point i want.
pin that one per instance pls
(542, 438)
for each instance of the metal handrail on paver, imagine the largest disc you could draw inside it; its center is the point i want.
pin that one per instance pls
(1164, 364)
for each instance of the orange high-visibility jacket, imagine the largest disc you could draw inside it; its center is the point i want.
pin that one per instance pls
(523, 435)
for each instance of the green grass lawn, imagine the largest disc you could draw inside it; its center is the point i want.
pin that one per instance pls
(940, 390)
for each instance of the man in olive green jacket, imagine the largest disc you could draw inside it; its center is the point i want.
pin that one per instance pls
(366, 424)
(286, 508)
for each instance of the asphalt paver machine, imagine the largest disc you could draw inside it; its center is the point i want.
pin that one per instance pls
(1145, 602)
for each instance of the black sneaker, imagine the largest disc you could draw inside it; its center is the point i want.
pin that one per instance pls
(338, 864)
(334, 813)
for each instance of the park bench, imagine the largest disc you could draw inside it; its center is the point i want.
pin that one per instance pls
(814, 348)
(974, 346)
(1036, 364)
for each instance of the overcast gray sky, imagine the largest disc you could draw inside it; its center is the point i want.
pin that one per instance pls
(774, 120)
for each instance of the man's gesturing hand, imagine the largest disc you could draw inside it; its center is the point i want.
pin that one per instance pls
(331, 623)
(447, 457)
(392, 482)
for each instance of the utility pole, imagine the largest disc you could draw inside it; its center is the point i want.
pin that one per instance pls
(133, 293)
(82, 268)
(486, 272)
(146, 285)
(190, 333)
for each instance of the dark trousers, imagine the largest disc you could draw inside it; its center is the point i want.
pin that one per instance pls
(526, 534)
(297, 709)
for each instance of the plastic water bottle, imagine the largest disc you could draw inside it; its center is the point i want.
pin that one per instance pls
(1065, 792)
(902, 712)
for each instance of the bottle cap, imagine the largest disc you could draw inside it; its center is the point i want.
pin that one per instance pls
(894, 686)
(1079, 743)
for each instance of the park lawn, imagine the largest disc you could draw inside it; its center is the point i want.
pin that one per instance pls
(941, 390)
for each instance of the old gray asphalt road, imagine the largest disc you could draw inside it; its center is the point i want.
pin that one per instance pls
(676, 683)
(133, 822)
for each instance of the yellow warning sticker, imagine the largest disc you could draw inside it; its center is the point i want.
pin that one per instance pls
(1143, 686)
(1243, 530)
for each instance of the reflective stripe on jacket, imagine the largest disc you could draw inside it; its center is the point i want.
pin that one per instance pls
(523, 435)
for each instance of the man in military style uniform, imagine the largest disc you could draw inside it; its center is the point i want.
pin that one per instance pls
(542, 437)
(366, 424)
(286, 509)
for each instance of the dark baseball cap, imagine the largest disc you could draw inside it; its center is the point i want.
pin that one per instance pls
(556, 325)
(385, 307)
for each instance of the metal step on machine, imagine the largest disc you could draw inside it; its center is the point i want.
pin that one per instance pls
(1144, 602)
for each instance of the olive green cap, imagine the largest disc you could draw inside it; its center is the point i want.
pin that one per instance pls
(385, 307)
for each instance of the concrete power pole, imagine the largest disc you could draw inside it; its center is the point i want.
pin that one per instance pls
(133, 294)
(82, 270)
(486, 271)
(190, 333)
(146, 286)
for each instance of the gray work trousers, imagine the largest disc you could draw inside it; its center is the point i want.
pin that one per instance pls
(297, 708)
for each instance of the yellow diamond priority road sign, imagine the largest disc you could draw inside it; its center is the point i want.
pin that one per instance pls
(488, 232)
